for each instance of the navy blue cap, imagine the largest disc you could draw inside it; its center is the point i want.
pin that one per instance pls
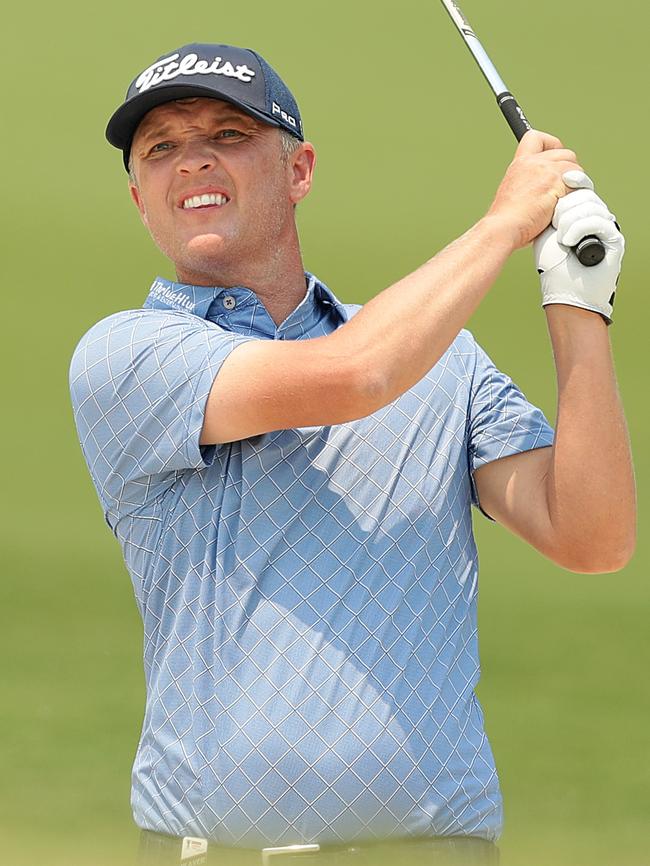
(236, 75)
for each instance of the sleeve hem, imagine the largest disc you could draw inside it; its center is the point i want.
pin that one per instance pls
(203, 455)
(544, 440)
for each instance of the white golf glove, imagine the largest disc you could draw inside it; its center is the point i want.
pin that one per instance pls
(564, 279)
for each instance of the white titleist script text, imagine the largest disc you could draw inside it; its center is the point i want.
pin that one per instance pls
(168, 68)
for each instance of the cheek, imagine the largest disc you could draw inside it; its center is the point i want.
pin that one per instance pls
(151, 192)
(159, 224)
(155, 212)
(272, 193)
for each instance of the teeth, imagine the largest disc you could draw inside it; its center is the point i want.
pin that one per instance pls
(205, 199)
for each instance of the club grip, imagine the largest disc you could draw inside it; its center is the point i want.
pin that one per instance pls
(513, 114)
(590, 250)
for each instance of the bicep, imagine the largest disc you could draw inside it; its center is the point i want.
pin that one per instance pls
(267, 385)
(513, 491)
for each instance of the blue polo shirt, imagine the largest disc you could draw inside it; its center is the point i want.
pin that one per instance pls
(309, 595)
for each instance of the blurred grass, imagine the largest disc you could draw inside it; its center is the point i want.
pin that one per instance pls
(410, 150)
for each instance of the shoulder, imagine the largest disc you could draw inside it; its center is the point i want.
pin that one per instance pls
(143, 340)
(461, 358)
(140, 323)
(464, 345)
(128, 330)
(94, 346)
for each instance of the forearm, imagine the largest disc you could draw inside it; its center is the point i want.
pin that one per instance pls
(399, 335)
(388, 346)
(590, 484)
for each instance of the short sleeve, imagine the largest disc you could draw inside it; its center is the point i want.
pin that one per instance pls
(139, 383)
(501, 420)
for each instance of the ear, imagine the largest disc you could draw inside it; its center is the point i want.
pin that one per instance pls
(301, 166)
(137, 200)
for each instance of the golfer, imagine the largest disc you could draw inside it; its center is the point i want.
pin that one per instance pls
(291, 478)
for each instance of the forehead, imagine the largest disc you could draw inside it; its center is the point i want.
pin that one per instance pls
(192, 110)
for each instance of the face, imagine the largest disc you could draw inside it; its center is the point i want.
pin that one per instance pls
(185, 150)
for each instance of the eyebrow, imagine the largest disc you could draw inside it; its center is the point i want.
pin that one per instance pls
(165, 128)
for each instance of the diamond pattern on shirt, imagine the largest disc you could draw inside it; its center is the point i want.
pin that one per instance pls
(308, 596)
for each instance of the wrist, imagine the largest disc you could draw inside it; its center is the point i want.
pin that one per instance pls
(500, 233)
(575, 321)
(573, 317)
(580, 339)
(568, 301)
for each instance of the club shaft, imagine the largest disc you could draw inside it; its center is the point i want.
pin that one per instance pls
(509, 106)
(590, 251)
(478, 52)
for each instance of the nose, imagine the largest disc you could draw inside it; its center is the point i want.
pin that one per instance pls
(195, 156)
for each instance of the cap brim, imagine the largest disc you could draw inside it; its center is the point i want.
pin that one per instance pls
(124, 122)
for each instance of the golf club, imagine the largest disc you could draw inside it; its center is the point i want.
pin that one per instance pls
(590, 250)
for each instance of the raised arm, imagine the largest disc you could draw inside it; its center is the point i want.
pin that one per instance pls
(575, 502)
(371, 360)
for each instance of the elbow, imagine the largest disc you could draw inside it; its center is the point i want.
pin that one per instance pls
(361, 390)
(374, 390)
(359, 377)
(596, 558)
(622, 556)
(614, 560)
(595, 543)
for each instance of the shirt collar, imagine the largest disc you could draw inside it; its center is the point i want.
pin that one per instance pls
(238, 308)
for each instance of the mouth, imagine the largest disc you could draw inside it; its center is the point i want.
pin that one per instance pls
(206, 200)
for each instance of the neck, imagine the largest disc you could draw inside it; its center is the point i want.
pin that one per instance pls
(279, 282)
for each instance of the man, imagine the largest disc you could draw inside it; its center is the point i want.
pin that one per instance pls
(291, 480)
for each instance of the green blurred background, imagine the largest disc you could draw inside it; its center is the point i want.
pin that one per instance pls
(411, 147)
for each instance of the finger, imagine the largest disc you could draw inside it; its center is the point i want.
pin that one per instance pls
(559, 154)
(537, 142)
(602, 228)
(577, 179)
(582, 211)
(560, 168)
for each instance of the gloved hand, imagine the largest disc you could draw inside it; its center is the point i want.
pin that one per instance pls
(564, 279)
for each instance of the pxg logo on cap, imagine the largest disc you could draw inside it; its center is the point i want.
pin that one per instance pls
(236, 75)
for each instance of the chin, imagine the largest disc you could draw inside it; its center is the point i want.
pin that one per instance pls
(204, 259)
(204, 252)
(205, 246)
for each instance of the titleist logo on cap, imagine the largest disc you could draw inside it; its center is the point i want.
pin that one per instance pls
(168, 68)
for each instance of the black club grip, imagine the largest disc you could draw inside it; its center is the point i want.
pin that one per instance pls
(590, 250)
(513, 114)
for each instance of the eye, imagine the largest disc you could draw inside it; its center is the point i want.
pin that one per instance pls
(229, 133)
(160, 146)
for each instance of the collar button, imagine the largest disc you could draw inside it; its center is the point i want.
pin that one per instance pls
(229, 302)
